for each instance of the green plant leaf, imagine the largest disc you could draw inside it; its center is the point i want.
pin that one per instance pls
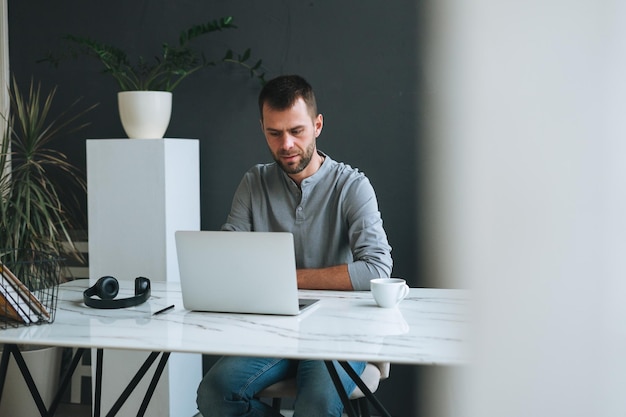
(32, 215)
(165, 73)
(245, 56)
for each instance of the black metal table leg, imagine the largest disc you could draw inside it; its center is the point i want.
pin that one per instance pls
(132, 384)
(65, 380)
(347, 406)
(98, 394)
(153, 383)
(4, 367)
(11, 349)
(368, 394)
(28, 378)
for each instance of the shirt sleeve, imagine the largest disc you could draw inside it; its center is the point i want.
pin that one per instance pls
(240, 216)
(368, 241)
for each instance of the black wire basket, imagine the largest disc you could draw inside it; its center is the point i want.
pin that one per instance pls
(29, 287)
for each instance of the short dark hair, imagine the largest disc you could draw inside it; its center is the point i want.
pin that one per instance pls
(282, 92)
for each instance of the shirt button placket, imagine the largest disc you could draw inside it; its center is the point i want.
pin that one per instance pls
(299, 214)
(300, 217)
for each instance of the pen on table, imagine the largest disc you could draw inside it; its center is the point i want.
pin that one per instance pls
(163, 310)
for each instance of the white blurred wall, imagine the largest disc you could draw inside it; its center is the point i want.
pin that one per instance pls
(526, 143)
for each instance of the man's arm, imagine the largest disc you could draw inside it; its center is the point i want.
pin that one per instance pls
(368, 241)
(331, 278)
(239, 218)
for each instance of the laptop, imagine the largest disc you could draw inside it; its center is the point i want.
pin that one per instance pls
(239, 272)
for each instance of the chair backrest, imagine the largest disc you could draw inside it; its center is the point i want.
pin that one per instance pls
(385, 369)
(373, 373)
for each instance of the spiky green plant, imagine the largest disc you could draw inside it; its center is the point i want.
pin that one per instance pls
(164, 73)
(32, 215)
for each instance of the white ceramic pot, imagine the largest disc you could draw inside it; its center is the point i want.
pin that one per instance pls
(145, 114)
(44, 365)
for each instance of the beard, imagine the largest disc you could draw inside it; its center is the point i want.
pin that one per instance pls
(305, 159)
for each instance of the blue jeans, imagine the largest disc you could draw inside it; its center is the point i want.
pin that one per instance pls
(228, 389)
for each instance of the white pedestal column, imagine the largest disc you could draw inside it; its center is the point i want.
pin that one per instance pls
(139, 193)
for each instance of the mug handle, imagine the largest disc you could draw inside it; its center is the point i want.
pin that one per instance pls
(404, 292)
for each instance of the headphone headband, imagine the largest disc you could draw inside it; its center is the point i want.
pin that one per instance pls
(107, 287)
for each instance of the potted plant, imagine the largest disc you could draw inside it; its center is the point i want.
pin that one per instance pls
(145, 96)
(32, 214)
(33, 219)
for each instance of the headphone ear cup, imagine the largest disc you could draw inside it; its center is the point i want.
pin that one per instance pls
(107, 288)
(142, 285)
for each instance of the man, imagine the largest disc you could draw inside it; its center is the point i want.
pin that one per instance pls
(340, 244)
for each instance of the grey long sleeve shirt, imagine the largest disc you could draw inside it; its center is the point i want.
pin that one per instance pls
(333, 216)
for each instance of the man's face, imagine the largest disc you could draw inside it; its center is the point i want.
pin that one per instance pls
(291, 136)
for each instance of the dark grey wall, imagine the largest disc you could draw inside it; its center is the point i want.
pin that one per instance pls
(362, 57)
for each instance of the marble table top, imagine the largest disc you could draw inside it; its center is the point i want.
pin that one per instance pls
(429, 327)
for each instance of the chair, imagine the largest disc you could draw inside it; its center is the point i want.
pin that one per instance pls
(373, 373)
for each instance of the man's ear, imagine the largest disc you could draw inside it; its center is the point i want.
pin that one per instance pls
(319, 124)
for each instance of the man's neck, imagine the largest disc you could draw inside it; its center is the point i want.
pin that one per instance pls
(312, 168)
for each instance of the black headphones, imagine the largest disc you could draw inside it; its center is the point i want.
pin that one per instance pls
(107, 288)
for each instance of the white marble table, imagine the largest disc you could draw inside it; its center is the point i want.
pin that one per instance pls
(429, 327)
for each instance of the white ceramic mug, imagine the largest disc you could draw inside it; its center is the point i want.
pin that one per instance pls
(388, 292)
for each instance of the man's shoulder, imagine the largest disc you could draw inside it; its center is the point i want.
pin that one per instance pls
(348, 182)
(344, 171)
